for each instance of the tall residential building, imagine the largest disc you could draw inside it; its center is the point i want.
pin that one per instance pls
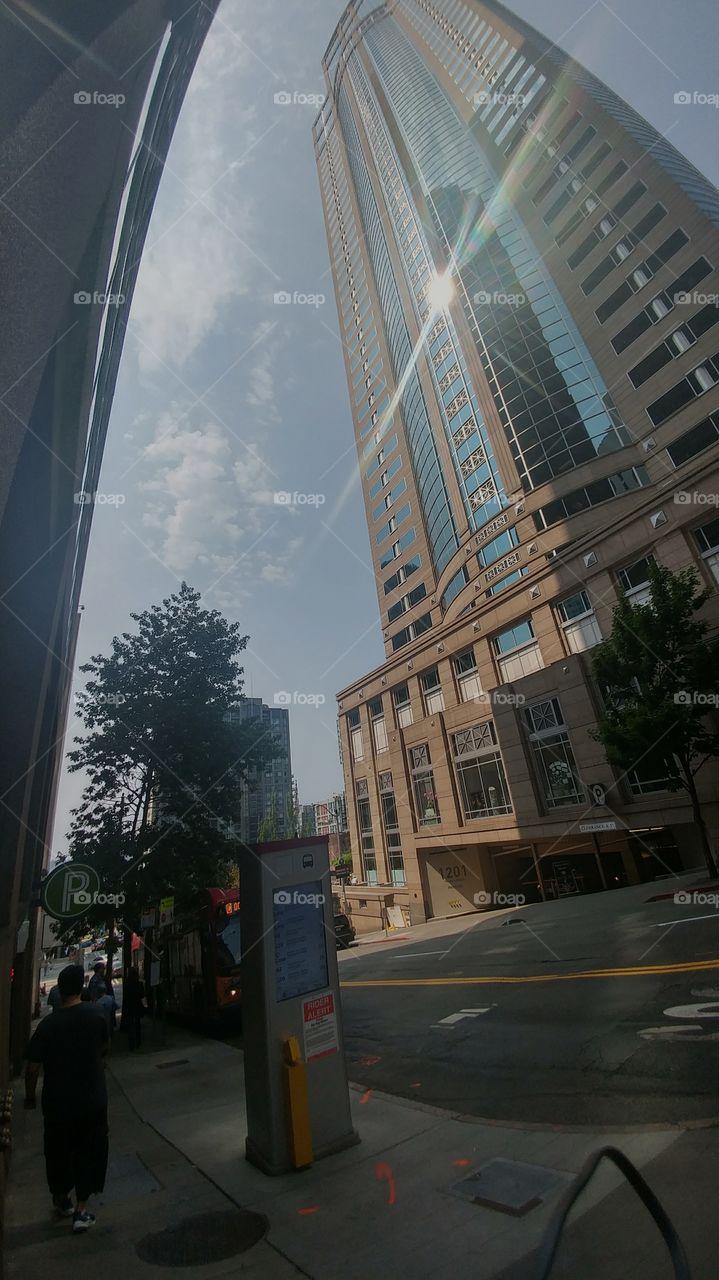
(527, 287)
(267, 796)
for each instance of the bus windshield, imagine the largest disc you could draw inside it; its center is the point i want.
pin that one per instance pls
(228, 944)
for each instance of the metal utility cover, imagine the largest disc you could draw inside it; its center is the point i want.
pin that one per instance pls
(510, 1186)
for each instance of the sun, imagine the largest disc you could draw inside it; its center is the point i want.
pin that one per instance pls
(441, 291)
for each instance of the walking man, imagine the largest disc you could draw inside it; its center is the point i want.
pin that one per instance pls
(71, 1046)
(97, 985)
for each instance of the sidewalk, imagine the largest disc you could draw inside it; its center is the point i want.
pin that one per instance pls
(177, 1136)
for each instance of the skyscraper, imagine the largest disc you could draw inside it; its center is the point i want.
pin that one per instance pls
(267, 795)
(525, 275)
(84, 131)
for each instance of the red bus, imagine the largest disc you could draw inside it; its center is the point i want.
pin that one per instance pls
(200, 960)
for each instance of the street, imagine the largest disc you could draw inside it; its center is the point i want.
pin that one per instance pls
(496, 1020)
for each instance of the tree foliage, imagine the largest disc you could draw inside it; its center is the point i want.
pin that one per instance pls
(658, 674)
(164, 760)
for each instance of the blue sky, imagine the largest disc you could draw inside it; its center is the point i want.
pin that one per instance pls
(226, 397)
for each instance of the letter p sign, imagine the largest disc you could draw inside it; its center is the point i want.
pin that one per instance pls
(69, 890)
(76, 883)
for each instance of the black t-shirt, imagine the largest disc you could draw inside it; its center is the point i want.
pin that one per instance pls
(70, 1044)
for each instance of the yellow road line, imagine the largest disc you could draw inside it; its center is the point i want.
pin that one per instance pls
(688, 966)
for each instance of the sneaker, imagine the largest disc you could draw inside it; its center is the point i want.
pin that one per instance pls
(82, 1221)
(63, 1207)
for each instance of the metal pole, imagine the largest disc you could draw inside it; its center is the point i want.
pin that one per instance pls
(597, 851)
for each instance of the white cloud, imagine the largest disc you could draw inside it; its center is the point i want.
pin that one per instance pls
(204, 506)
(203, 248)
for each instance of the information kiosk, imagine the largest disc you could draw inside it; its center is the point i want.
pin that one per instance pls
(295, 1075)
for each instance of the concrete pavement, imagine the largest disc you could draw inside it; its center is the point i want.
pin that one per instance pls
(178, 1126)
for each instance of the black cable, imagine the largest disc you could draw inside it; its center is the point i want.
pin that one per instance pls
(548, 1248)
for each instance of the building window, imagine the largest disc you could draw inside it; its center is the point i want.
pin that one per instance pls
(578, 622)
(459, 581)
(553, 755)
(390, 825)
(465, 670)
(364, 822)
(517, 651)
(634, 580)
(402, 706)
(694, 385)
(432, 694)
(402, 574)
(379, 727)
(482, 780)
(707, 539)
(425, 796)
(355, 732)
(409, 633)
(412, 598)
(653, 773)
(694, 441)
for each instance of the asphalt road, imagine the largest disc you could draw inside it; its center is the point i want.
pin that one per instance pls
(496, 1020)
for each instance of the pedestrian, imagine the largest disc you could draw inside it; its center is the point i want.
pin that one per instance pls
(71, 1047)
(97, 981)
(133, 1008)
(54, 998)
(106, 1004)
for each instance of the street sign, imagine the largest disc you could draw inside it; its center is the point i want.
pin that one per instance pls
(167, 910)
(69, 890)
(147, 919)
(585, 827)
(599, 793)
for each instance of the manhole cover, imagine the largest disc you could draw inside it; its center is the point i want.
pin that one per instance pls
(205, 1237)
(509, 1185)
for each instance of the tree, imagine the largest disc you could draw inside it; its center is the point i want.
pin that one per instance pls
(293, 811)
(164, 757)
(658, 674)
(267, 827)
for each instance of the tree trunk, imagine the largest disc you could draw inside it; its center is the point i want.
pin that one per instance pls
(701, 825)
